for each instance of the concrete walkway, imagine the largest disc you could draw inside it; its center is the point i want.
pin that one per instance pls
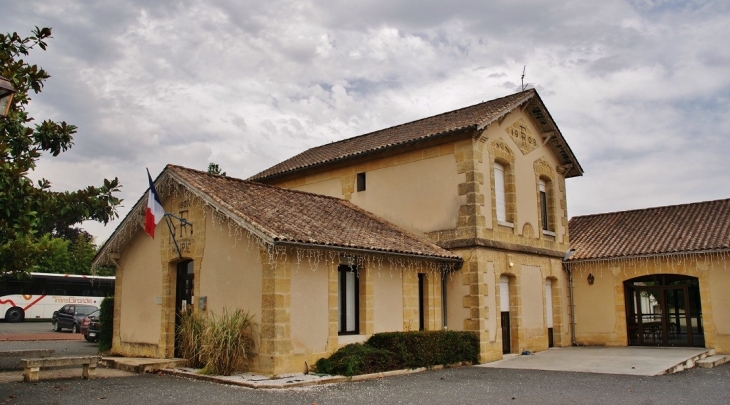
(646, 361)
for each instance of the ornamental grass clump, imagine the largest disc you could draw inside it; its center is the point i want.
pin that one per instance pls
(190, 337)
(228, 342)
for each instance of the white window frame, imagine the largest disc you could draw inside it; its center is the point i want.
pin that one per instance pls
(348, 301)
(500, 196)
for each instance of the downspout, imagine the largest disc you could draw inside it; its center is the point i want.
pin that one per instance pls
(572, 304)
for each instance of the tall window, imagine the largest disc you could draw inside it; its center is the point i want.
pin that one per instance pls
(500, 195)
(543, 206)
(348, 291)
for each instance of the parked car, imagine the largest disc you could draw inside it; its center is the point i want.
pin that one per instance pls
(70, 316)
(90, 326)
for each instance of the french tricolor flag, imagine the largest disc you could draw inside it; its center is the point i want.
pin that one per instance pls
(155, 212)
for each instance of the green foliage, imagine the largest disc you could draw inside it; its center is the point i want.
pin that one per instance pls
(228, 342)
(81, 252)
(402, 350)
(53, 255)
(190, 337)
(29, 211)
(356, 359)
(213, 168)
(106, 323)
(220, 345)
(428, 348)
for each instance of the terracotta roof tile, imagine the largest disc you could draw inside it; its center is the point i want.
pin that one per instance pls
(475, 116)
(696, 227)
(294, 216)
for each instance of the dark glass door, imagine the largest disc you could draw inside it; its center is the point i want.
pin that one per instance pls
(664, 310)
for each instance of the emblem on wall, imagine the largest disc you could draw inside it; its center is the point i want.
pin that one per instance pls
(522, 136)
(181, 235)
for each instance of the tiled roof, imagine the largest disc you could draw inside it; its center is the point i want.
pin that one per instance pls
(294, 216)
(476, 116)
(686, 228)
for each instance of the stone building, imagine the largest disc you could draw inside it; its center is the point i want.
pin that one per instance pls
(486, 182)
(461, 224)
(653, 277)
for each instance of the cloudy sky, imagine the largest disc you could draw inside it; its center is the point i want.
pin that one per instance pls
(639, 88)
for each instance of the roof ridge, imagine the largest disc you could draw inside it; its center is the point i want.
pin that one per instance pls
(473, 117)
(531, 90)
(650, 208)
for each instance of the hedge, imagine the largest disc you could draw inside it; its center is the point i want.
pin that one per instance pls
(428, 348)
(106, 323)
(402, 350)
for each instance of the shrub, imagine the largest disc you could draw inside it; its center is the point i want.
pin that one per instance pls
(428, 348)
(106, 324)
(355, 359)
(399, 350)
(228, 342)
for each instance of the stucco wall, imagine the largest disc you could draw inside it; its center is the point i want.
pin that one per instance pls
(456, 290)
(230, 273)
(309, 309)
(387, 301)
(140, 314)
(533, 288)
(417, 190)
(421, 195)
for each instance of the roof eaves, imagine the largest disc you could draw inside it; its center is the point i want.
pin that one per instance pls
(359, 249)
(572, 259)
(577, 169)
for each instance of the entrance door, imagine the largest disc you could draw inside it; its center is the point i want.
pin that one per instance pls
(183, 295)
(504, 304)
(664, 310)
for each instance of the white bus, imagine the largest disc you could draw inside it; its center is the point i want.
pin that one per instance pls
(38, 295)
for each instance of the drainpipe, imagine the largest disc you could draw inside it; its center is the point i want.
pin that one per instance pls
(572, 304)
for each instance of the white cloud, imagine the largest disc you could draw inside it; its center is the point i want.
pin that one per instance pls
(639, 88)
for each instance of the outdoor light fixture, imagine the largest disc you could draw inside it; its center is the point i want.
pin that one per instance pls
(6, 95)
(591, 279)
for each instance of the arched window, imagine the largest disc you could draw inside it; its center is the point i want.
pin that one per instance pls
(499, 192)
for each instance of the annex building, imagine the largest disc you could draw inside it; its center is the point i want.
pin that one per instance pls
(653, 277)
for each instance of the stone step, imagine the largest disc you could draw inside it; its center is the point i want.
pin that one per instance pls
(713, 361)
(141, 365)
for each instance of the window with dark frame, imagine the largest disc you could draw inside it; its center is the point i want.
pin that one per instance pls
(421, 301)
(361, 182)
(348, 306)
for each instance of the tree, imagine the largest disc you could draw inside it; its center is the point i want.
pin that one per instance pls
(31, 212)
(213, 168)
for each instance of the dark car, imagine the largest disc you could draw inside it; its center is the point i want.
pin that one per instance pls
(70, 316)
(90, 326)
